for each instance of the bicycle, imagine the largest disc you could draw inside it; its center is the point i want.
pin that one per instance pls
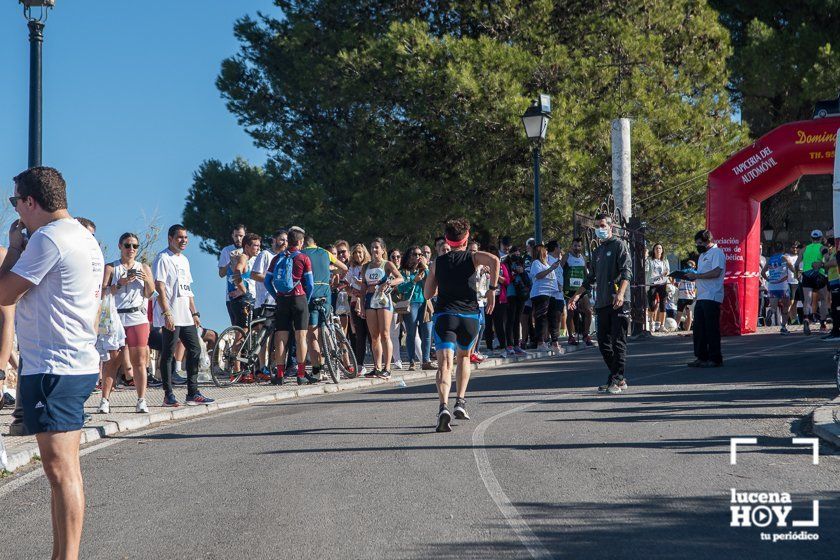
(336, 351)
(235, 346)
(837, 369)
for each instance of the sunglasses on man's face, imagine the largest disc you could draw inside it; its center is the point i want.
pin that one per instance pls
(13, 200)
(131, 246)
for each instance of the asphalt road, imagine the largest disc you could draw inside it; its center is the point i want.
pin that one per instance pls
(546, 468)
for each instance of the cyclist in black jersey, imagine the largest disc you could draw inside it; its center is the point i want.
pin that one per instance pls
(456, 318)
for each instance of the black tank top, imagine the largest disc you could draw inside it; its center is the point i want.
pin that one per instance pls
(453, 271)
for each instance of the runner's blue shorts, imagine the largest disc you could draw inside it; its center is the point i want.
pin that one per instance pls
(456, 329)
(55, 403)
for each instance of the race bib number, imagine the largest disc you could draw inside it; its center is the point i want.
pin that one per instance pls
(575, 282)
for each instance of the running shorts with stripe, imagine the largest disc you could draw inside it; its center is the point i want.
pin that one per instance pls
(456, 329)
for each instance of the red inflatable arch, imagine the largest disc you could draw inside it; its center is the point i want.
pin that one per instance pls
(733, 205)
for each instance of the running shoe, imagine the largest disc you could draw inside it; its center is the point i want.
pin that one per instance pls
(264, 375)
(372, 373)
(823, 328)
(276, 379)
(784, 330)
(8, 400)
(170, 400)
(247, 378)
(308, 379)
(519, 351)
(572, 340)
(444, 418)
(806, 327)
(588, 340)
(141, 406)
(622, 384)
(429, 366)
(474, 359)
(104, 407)
(556, 348)
(129, 382)
(543, 347)
(460, 409)
(363, 371)
(153, 382)
(198, 399)
(614, 388)
(98, 389)
(385, 374)
(177, 379)
(412, 366)
(398, 365)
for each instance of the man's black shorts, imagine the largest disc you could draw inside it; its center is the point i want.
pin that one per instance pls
(683, 303)
(815, 281)
(291, 312)
(238, 309)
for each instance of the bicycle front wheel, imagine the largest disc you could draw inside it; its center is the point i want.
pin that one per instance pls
(328, 353)
(226, 367)
(345, 357)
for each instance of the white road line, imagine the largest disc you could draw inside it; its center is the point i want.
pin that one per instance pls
(25, 479)
(519, 526)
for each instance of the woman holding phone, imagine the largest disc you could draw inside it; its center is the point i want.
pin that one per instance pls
(131, 284)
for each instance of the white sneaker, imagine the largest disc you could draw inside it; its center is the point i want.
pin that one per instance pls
(398, 365)
(556, 348)
(141, 406)
(104, 407)
(543, 347)
(363, 371)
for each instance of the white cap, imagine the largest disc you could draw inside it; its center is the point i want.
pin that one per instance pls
(816, 234)
(531, 241)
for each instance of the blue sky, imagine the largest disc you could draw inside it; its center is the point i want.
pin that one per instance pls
(130, 111)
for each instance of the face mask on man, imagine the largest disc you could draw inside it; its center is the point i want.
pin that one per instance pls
(602, 232)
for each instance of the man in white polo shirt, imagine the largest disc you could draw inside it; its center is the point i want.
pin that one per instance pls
(175, 312)
(709, 283)
(55, 279)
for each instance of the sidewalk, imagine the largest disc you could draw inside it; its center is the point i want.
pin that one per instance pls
(827, 422)
(22, 449)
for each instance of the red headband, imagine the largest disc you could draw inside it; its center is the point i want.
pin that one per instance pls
(458, 243)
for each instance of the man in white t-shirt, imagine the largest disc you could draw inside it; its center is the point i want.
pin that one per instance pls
(260, 269)
(55, 278)
(237, 234)
(711, 266)
(175, 312)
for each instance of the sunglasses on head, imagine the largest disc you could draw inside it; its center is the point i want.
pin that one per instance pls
(131, 245)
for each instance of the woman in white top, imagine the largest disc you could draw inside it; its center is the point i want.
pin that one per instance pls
(545, 295)
(379, 277)
(131, 284)
(657, 270)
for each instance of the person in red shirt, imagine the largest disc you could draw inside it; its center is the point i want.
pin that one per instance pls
(292, 309)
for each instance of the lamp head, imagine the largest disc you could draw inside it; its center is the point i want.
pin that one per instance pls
(39, 14)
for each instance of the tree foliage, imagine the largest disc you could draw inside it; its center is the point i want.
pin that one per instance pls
(387, 117)
(786, 57)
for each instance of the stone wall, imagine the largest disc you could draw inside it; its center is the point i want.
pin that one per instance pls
(794, 212)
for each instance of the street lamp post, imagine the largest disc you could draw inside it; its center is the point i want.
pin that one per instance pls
(36, 12)
(535, 120)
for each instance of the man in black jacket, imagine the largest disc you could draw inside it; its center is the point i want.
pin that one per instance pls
(611, 272)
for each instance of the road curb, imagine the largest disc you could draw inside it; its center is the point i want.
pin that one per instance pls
(23, 457)
(824, 424)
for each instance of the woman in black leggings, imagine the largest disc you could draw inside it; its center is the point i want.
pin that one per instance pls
(517, 293)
